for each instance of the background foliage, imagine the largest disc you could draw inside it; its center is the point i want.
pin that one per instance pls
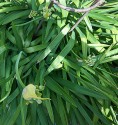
(79, 69)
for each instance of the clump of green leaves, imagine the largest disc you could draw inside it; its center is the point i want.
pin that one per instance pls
(77, 71)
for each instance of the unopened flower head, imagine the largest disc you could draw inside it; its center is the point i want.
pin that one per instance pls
(33, 14)
(46, 12)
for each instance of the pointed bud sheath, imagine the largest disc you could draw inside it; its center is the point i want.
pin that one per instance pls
(30, 93)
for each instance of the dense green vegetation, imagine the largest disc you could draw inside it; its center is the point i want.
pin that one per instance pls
(77, 70)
